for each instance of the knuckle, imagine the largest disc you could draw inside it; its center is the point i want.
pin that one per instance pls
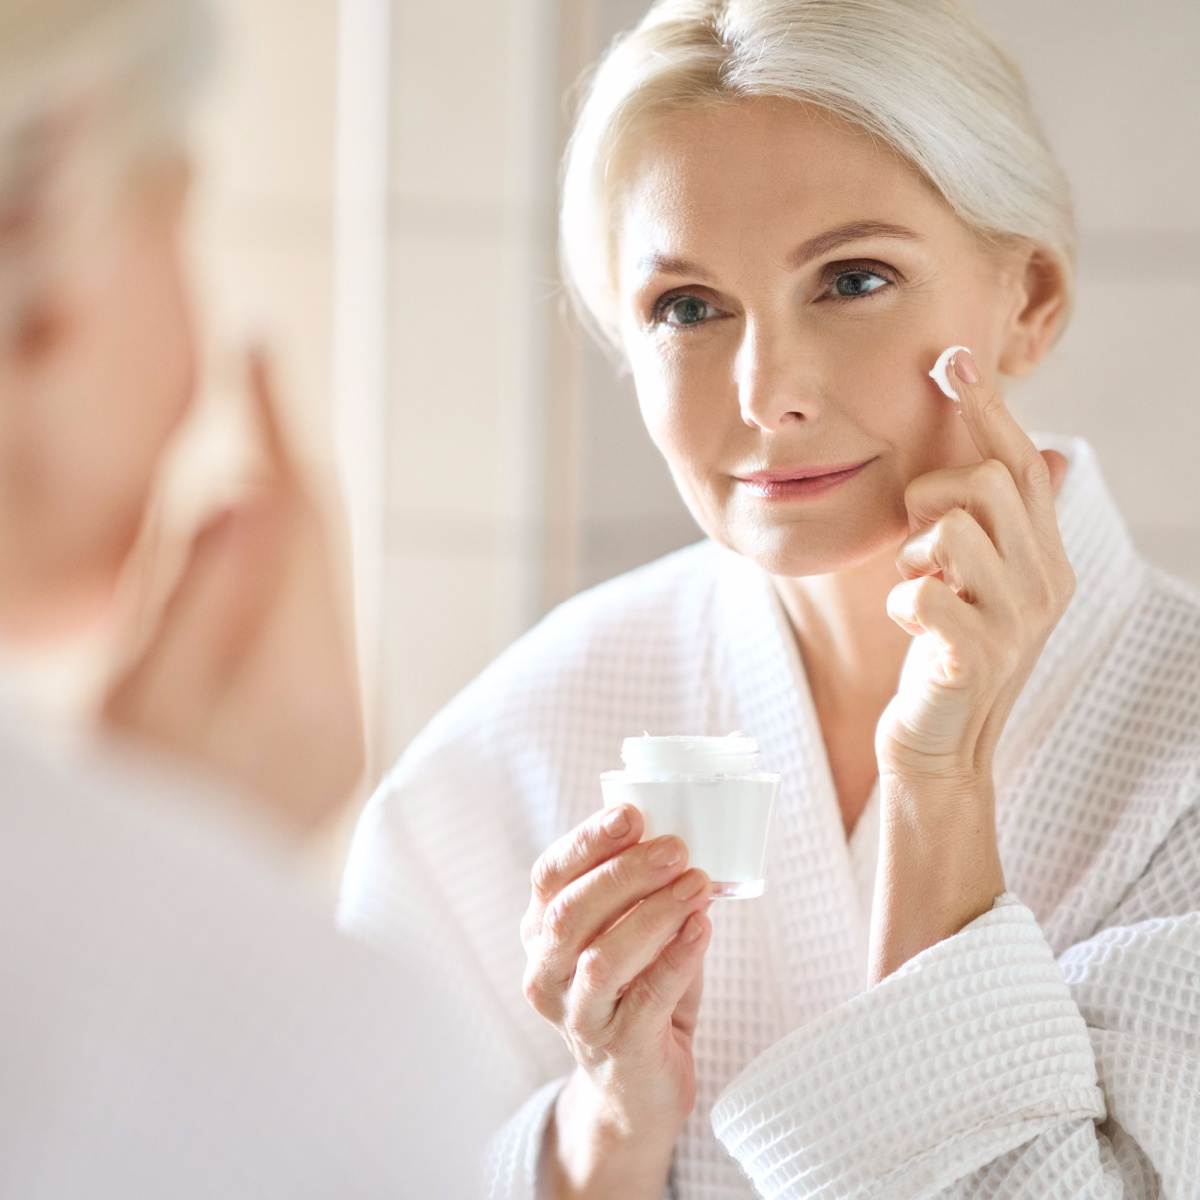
(925, 592)
(956, 524)
(648, 988)
(533, 985)
(1034, 471)
(991, 404)
(593, 971)
(1048, 592)
(1066, 585)
(675, 954)
(932, 549)
(557, 921)
(542, 876)
(529, 927)
(995, 476)
(620, 870)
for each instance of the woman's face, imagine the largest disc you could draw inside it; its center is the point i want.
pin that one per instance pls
(785, 285)
(93, 384)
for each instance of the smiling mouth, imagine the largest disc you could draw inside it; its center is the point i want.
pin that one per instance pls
(801, 483)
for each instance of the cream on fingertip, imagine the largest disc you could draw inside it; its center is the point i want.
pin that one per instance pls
(938, 374)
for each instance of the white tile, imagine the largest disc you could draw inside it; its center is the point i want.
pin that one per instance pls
(448, 617)
(262, 212)
(1116, 86)
(276, 290)
(1122, 377)
(471, 98)
(268, 117)
(461, 438)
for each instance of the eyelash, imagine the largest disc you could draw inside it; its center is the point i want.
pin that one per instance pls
(832, 274)
(835, 271)
(662, 305)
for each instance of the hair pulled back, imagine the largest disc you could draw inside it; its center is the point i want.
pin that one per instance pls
(921, 75)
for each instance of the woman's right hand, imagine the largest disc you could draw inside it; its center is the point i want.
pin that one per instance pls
(615, 935)
(250, 672)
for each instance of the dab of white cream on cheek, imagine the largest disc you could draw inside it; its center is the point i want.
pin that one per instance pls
(938, 374)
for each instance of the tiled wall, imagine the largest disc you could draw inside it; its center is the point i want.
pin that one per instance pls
(1118, 90)
(472, 295)
(263, 205)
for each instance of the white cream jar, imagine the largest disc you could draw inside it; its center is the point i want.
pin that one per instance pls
(709, 792)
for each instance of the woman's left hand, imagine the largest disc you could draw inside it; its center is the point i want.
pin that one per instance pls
(986, 579)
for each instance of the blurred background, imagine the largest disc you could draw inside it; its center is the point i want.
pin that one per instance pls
(377, 200)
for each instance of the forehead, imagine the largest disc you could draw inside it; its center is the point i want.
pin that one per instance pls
(764, 170)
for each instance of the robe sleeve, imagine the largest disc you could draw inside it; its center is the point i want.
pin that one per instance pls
(983, 1067)
(395, 893)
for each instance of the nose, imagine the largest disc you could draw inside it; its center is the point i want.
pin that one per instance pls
(773, 379)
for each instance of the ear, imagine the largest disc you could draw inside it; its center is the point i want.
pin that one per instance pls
(1037, 312)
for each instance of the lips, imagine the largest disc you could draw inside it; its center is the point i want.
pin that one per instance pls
(800, 483)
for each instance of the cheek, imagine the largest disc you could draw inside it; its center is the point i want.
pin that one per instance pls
(163, 340)
(883, 386)
(684, 409)
(120, 390)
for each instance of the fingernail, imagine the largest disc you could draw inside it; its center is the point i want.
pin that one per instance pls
(693, 928)
(965, 368)
(692, 884)
(665, 853)
(616, 824)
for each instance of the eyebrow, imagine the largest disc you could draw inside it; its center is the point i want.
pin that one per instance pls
(853, 231)
(823, 243)
(665, 264)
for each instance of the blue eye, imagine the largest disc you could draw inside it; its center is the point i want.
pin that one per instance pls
(687, 310)
(858, 283)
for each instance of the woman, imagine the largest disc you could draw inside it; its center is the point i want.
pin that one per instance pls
(179, 1016)
(245, 669)
(985, 707)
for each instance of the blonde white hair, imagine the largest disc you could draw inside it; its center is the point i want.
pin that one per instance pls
(921, 75)
(105, 84)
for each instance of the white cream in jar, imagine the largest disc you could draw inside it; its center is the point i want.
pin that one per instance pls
(709, 792)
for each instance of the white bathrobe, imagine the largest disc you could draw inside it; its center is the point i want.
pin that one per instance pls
(179, 1019)
(1049, 1049)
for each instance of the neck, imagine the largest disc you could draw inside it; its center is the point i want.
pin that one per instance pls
(852, 653)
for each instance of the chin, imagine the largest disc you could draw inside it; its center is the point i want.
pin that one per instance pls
(812, 548)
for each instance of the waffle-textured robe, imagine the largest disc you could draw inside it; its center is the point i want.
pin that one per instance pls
(1050, 1049)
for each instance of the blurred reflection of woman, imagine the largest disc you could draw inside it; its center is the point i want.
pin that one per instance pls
(178, 1017)
(975, 969)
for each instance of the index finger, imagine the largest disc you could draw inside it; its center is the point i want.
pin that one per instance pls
(277, 452)
(596, 840)
(997, 434)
